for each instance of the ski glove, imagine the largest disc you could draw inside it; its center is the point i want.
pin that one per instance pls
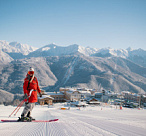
(40, 94)
(25, 96)
(26, 103)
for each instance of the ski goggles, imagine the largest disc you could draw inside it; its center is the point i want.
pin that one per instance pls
(30, 72)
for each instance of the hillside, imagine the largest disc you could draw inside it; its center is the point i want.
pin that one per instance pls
(89, 72)
(116, 74)
(72, 66)
(6, 96)
(4, 57)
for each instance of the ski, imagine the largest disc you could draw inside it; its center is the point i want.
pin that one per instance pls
(52, 120)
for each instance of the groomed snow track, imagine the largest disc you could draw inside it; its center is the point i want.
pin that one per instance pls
(90, 121)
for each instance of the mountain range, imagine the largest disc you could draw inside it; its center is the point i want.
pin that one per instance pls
(72, 66)
(15, 50)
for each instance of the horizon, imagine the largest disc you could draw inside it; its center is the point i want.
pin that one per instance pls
(96, 23)
(75, 44)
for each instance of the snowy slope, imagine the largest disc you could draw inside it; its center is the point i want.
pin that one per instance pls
(89, 121)
(69, 71)
(115, 52)
(4, 57)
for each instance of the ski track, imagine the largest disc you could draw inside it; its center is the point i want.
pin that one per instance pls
(106, 125)
(69, 70)
(75, 123)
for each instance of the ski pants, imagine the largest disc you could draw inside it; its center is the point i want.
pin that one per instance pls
(28, 109)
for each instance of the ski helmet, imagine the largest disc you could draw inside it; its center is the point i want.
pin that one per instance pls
(31, 71)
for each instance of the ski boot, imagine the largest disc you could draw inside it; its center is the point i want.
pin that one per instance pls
(24, 119)
(31, 118)
(19, 119)
(28, 115)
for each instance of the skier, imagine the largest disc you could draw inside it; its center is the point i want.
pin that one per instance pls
(30, 88)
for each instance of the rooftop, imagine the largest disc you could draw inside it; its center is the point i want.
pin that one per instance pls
(54, 93)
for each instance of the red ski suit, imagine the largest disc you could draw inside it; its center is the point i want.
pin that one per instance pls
(33, 85)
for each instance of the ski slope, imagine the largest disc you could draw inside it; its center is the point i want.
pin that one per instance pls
(89, 121)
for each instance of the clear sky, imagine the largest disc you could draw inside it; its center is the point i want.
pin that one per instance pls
(94, 23)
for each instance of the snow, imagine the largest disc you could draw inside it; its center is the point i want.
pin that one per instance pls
(54, 50)
(89, 121)
(54, 93)
(69, 70)
(115, 52)
(46, 49)
(15, 47)
(45, 96)
(4, 57)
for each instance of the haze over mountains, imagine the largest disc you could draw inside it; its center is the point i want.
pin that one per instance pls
(72, 66)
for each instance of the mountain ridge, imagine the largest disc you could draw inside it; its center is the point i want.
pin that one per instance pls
(55, 50)
(16, 50)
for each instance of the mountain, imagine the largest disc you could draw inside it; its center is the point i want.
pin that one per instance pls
(16, 50)
(12, 74)
(108, 52)
(6, 96)
(22, 48)
(19, 51)
(73, 66)
(54, 50)
(4, 57)
(138, 56)
(116, 74)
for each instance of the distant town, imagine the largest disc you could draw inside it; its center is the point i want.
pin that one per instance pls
(82, 97)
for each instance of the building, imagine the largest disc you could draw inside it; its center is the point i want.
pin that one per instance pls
(75, 94)
(58, 96)
(63, 89)
(93, 101)
(79, 104)
(131, 97)
(98, 95)
(143, 98)
(45, 99)
(72, 95)
(85, 94)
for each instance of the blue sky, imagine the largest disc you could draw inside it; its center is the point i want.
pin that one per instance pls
(94, 23)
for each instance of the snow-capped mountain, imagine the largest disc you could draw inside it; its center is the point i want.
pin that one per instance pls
(4, 57)
(25, 49)
(137, 56)
(138, 52)
(15, 47)
(111, 52)
(54, 50)
(5, 47)
(74, 65)
(16, 50)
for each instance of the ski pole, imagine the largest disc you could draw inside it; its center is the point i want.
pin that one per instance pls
(23, 102)
(16, 108)
(19, 108)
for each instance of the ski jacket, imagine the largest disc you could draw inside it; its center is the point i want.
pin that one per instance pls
(29, 86)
